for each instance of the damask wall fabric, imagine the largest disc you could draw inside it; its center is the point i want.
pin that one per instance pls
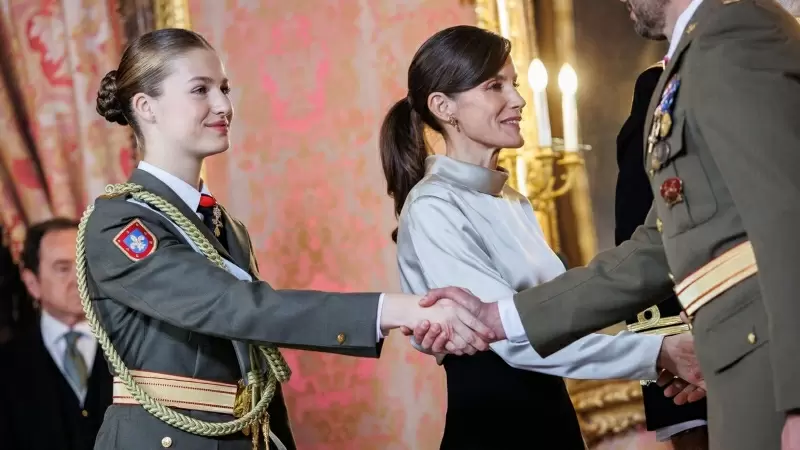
(311, 81)
(56, 151)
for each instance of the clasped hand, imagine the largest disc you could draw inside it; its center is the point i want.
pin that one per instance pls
(680, 374)
(448, 320)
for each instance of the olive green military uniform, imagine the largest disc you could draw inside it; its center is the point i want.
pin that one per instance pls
(174, 312)
(723, 160)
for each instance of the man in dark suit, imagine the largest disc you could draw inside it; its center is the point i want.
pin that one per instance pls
(684, 425)
(54, 384)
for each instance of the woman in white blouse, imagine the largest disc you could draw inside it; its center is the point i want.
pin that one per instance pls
(460, 224)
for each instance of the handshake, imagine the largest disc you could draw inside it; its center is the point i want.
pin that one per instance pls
(448, 320)
(454, 321)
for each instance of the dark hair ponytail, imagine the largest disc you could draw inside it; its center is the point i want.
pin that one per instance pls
(403, 152)
(451, 61)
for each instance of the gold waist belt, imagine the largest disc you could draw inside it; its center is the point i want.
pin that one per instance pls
(716, 277)
(179, 392)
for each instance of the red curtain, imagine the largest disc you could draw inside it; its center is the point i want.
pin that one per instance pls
(56, 152)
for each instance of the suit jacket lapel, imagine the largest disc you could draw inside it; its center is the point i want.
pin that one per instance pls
(158, 187)
(44, 369)
(704, 11)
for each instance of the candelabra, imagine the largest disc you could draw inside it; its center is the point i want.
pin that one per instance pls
(550, 151)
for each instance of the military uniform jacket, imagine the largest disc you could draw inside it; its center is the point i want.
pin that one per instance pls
(729, 174)
(632, 202)
(175, 312)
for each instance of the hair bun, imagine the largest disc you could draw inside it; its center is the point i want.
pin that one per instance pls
(108, 105)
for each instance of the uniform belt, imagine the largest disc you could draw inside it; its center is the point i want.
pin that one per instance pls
(716, 277)
(179, 392)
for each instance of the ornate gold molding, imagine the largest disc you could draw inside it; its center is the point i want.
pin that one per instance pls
(606, 408)
(171, 14)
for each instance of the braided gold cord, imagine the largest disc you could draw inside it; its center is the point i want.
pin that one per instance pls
(278, 369)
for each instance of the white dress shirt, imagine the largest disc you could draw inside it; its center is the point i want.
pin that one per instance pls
(680, 26)
(53, 332)
(191, 196)
(463, 226)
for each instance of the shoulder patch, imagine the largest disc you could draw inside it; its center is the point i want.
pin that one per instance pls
(136, 241)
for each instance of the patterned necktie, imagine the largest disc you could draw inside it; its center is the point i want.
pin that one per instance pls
(212, 217)
(74, 364)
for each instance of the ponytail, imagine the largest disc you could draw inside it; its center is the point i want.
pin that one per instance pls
(403, 152)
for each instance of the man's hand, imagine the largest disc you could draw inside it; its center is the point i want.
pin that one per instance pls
(681, 376)
(431, 337)
(679, 389)
(790, 438)
(457, 329)
(678, 357)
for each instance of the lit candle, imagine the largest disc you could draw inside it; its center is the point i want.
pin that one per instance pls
(537, 77)
(568, 82)
(502, 16)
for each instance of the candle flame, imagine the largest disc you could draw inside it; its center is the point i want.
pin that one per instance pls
(537, 75)
(568, 80)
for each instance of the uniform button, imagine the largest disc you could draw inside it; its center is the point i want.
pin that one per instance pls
(659, 225)
(166, 442)
(85, 413)
(671, 277)
(751, 338)
(341, 338)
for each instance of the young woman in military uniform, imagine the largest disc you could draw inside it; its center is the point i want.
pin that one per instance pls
(169, 281)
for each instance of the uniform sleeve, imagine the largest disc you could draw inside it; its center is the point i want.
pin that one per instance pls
(748, 118)
(616, 284)
(179, 286)
(450, 252)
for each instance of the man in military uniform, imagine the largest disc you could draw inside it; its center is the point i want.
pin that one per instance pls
(721, 144)
(684, 425)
